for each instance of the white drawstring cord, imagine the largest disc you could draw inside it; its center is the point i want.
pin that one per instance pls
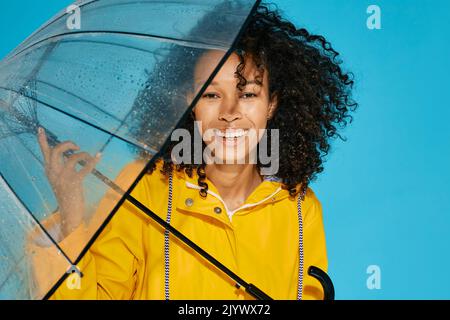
(166, 241)
(300, 247)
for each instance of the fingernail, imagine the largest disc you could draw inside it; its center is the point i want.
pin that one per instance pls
(39, 130)
(98, 155)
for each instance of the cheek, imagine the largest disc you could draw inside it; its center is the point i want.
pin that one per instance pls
(203, 118)
(258, 115)
(261, 121)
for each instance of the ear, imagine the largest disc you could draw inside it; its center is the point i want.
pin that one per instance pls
(272, 106)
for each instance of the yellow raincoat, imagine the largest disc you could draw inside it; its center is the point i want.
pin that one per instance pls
(258, 241)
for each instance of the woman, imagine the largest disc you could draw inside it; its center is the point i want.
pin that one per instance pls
(266, 228)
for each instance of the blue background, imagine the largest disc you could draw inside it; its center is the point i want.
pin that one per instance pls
(385, 191)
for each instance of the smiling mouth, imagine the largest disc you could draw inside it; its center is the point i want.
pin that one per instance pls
(231, 134)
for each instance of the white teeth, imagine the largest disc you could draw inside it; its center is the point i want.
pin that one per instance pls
(231, 134)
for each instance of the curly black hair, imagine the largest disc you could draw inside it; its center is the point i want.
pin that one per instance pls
(314, 94)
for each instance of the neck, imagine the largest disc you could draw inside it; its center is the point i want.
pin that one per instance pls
(234, 182)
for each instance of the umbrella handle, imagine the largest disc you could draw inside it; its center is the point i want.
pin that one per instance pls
(325, 281)
(256, 292)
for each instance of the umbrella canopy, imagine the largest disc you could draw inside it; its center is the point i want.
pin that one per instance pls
(119, 84)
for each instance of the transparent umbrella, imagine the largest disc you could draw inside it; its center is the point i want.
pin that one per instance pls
(92, 85)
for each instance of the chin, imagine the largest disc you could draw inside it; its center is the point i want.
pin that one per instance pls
(221, 158)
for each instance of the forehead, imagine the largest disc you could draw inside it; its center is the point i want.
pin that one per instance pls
(211, 58)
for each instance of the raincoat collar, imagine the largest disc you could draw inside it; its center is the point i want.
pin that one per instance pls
(268, 191)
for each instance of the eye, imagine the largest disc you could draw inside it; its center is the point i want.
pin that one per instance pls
(248, 95)
(210, 96)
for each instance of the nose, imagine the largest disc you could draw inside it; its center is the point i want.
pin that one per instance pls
(229, 111)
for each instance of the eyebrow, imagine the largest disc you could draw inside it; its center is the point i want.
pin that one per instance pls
(214, 83)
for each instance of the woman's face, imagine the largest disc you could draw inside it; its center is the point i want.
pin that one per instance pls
(231, 121)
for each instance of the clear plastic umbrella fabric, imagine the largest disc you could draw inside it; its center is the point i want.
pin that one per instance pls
(113, 76)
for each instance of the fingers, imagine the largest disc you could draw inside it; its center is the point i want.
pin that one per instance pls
(56, 154)
(75, 158)
(53, 156)
(90, 165)
(90, 162)
(42, 139)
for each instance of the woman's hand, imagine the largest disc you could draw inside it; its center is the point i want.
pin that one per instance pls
(66, 181)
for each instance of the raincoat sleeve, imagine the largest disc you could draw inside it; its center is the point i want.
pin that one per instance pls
(109, 267)
(315, 251)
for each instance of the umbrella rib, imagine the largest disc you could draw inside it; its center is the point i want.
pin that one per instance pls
(195, 44)
(82, 120)
(82, 99)
(56, 19)
(75, 96)
(12, 54)
(11, 271)
(36, 68)
(36, 220)
(107, 43)
(36, 158)
(103, 42)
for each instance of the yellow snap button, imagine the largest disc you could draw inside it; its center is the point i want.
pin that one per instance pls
(217, 210)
